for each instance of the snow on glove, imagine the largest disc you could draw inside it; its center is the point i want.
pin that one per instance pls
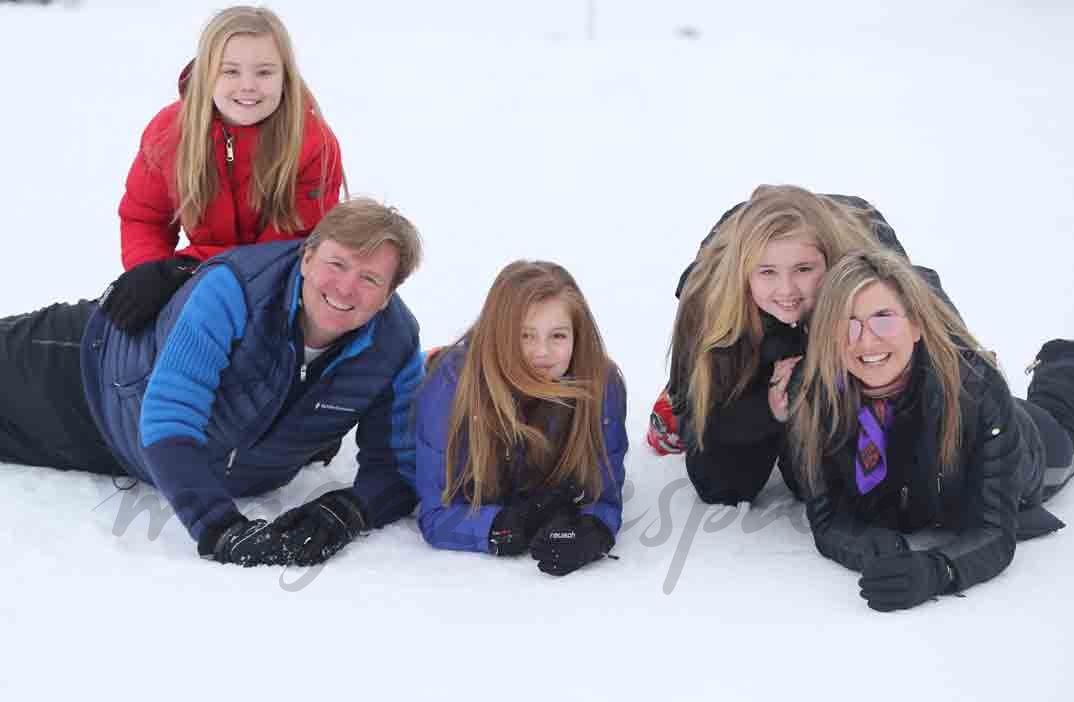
(314, 532)
(244, 542)
(568, 542)
(137, 297)
(904, 580)
(514, 526)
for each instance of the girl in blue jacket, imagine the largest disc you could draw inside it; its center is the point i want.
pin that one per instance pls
(520, 428)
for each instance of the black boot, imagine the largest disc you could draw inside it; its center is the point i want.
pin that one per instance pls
(1052, 389)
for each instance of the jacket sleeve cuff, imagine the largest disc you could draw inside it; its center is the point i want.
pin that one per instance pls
(178, 467)
(383, 501)
(588, 522)
(608, 515)
(210, 537)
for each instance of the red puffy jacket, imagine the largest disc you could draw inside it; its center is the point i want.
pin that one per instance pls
(147, 212)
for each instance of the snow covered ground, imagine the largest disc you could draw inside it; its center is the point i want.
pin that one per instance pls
(608, 136)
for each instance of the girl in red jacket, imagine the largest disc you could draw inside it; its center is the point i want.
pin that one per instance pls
(242, 157)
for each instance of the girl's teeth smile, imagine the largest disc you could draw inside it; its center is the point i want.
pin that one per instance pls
(875, 358)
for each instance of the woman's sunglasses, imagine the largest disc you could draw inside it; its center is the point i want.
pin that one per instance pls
(882, 324)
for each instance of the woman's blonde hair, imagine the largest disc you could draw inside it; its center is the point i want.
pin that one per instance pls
(718, 328)
(280, 135)
(824, 409)
(561, 432)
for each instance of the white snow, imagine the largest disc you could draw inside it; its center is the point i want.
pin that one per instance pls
(609, 142)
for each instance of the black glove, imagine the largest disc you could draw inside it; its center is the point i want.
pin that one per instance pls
(135, 298)
(314, 532)
(513, 528)
(904, 580)
(244, 542)
(881, 541)
(567, 542)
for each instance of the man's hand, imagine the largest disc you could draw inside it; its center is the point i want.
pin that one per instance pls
(246, 543)
(314, 532)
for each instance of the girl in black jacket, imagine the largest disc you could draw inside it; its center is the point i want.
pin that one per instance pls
(900, 421)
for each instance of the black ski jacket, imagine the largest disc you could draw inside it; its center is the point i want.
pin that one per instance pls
(998, 468)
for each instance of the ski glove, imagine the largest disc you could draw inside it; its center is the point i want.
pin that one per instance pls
(514, 526)
(136, 298)
(881, 541)
(314, 532)
(244, 542)
(567, 542)
(904, 580)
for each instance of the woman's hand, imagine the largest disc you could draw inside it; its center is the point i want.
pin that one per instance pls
(777, 387)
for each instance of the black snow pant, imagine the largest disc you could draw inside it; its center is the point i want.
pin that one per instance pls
(44, 418)
(726, 474)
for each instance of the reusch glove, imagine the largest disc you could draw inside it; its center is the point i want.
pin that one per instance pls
(904, 580)
(567, 542)
(244, 542)
(314, 532)
(135, 298)
(513, 528)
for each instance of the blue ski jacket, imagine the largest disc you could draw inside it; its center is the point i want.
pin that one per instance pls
(198, 405)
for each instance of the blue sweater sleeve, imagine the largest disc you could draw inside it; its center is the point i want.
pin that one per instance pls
(608, 508)
(179, 397)
(384, 484)
(456, 526)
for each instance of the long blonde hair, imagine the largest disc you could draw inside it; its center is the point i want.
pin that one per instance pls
(824, 409)
(280, 135)
(563, 441)
(718, 328)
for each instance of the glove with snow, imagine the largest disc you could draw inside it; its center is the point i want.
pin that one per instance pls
(904, 580)
(137, 297)
(243, 542)
(567, 542)
(513, 528)
(314, 532)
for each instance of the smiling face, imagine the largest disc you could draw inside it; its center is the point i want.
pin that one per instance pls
(341, 290)
(548, 337)
(886, 343)
(785, 281)
(250, 84)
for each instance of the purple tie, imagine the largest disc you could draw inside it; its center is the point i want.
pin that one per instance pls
(870, 465)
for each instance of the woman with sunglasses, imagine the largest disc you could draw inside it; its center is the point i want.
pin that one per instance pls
(899, 420)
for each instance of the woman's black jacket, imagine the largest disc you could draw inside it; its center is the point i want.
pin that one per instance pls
(998, 465)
